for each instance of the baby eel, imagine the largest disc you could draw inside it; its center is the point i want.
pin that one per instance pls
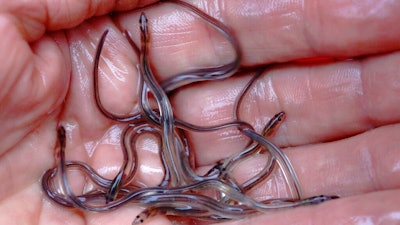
(229, 164)
(130, 160)
(282, 160)
(175, 162)
(178, 201)
(97, 98)
(215, 195)
(203, 207)
(213, 73)
(170, 152)
(150, 196)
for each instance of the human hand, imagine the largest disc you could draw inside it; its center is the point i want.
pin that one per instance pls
(341, 130)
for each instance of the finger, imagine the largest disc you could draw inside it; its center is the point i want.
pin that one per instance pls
(33, 18)
(356, 165)
(331, 101)
(313, 28)
(267, 32)
(323, 102)
(23, 165)
(31, 89)
(373, 208)
(364, 163)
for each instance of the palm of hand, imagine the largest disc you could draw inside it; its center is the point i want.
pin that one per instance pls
(332, 101)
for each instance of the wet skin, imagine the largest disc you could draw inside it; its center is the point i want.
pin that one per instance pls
(322, 120)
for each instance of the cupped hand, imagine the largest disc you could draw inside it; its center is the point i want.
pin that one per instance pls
(342, 130)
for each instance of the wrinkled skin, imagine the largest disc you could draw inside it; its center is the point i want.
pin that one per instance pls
(342, 127)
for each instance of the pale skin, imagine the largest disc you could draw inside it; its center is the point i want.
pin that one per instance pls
(342, 122)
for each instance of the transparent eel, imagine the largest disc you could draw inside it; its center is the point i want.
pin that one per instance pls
(183, 201)
(170, 199)
(170, 152)
(183, 79)
(150, 113)
(213, 196)
(187, 175)
(214, 73)
(284, 162)
(177, 81)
